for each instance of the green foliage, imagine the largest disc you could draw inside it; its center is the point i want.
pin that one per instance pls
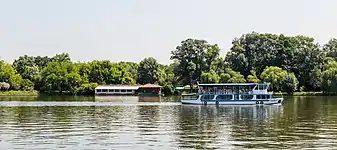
(252, 78)
(274, 76)
(316, 79)
(57, 76)
(148, 71)
(8, 75)
(41, 62)
(27, 85)
(231, 76)
(19, 93)
(209, 77)
(64, 57)
(255, 51)
(280, 79)
(290, 83)
(224, 77)
(329, 77)
(24, 66)
(168, 89)
(331, 48)
(86, 89)
(193, 57)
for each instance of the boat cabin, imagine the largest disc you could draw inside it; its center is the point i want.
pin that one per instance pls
(234, 90)
(149, 90)
(230, 88)
(116, 90)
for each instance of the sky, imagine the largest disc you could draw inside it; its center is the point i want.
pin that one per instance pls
(130, 30)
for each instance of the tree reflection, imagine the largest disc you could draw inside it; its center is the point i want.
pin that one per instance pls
(147, 120)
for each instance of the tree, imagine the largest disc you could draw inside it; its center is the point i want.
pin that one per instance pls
(131, 68)
(209, 77)
(331, 48)
(87, 89)
(73, 81)
(279, 79)
(15, 81)
(105, 72)
(224, 77)
(316, 79)
(329, 77)
(255, 51)
(22, 63)
(27, 85)
(252, 78)
(230, 76)
(211, 58)
(290, 83)
(275, 76)
(42, 62)
(60, 77)
(193, 56)
(148, 71)
(8, 75)
(63, 57)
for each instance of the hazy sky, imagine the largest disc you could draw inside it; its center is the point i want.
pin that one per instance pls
(129, 30)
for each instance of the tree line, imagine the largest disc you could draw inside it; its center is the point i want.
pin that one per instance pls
(289, 63)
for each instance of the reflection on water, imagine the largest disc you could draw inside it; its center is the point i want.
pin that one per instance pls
(149, 98)
(209, 127)
(301, 122)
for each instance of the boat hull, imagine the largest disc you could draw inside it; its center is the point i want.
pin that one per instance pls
(273, 101)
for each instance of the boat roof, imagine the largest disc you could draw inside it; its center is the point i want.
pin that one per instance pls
(126, 87)
(230, 84)
(150, 86)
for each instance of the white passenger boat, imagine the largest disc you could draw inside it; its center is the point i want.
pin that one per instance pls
(232, 94)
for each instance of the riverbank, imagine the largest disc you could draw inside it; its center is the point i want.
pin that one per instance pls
(19, 93)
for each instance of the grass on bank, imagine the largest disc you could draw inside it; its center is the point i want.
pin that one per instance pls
(19, 93)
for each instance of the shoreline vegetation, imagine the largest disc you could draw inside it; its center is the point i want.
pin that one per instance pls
(19, 93)
(37, 93)
(292, 64)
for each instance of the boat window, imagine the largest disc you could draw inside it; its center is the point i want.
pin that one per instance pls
(104, 90)
(263, 96)
(207, 97)
(123, 90)
(258, 96)
(117, 90)
(129, 90)
(99, 90)
(236, 96)
(246, 96)
(268, 96)
(224, 97)
(111, 90)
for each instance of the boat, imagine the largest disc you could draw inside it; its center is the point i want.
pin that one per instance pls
(232, 94)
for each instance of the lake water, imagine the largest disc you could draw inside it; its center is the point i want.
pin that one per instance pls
(150, 123)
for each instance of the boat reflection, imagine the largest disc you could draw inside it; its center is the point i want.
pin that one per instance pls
(149, 98)
(234, 111)
(123, 99)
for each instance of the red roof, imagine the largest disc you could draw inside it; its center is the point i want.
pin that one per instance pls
(150, 86)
